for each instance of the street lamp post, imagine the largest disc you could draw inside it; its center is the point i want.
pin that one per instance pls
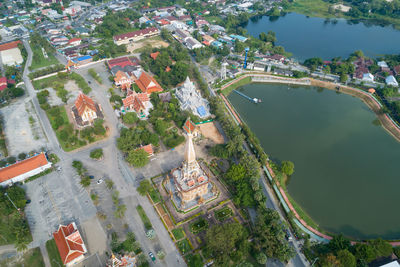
(11, 201)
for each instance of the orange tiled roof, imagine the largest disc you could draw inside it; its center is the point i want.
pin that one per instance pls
(129, 100)
(154, 55)
(69, 243)
(167, 69)
(189, 126)
(148, 84)
(120, 75)
(9, 45)
(82, 102)
(22, 167)
(148, 148)
(137, 104)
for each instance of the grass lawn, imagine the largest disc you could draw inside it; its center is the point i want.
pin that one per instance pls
(198, 226)
(48, 82)
(242, 82)
(194, 260)
(31, 257)
(44, 83)
(222, 214)
(143, 216)
(38, 59)
(54, 255)
(178, 233)
(155, 197)
(184, 246)
(316, 8)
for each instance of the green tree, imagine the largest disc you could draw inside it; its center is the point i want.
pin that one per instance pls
(346, 258)
(382, 247)
(130, 118)
(85, 181)
(287, 167)
(364, 252)
(138, 158)
(236, 172)
(343, 78)
(225, 241)
(261, 258)
(144, 187)
(96, 153)
(339, 242)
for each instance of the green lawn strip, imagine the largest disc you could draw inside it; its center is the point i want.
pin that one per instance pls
(184, 246)
(143, 216)
(303, 214)
(155, 197)
(198, 226)
(222, 214)
(317, 8)
(38, 59)
(32, 257)
(178, 233)
(48, 82)
(54, 255)
(232, 87)
(194, 260)
(95, 75)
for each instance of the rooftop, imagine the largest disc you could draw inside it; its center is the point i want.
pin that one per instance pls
(22, 167)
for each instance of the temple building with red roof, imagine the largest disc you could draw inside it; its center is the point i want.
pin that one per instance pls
(85, 110)
(24, 169)
(122, 80)
(139, 103)
(70, 244)
(148, 84)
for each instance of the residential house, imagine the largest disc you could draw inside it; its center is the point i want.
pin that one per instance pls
(85, 111)
(148, 149)
(391, 80)
(238, 37)
(70, 244)
(368, 77)
(79, 61)
(135, 36)
(207, 40)
(192, 43)
(4, 82)
(24, 169)
(75, 41)
(383, 64)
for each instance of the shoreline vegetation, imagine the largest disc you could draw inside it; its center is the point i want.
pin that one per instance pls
(322, 9)
(227, 87)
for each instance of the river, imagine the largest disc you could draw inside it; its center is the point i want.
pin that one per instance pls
(313, 37)
(346, 165)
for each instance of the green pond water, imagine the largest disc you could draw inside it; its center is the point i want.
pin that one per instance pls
(346, 166)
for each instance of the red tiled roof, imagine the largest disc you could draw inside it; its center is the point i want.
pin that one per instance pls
(3, 80)
(148, 148)
(2, 87)
(189, 126)
(154, 55)
(129, 100)
(82, 102)
(22, 167)
(167, 69)
(9, 45)
(122, 62)
(74, 40)
(148, 84)
(69, 243)
(135, 33)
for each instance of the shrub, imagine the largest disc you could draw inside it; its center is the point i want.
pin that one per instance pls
(22, 156)
(96, 153)
(130, 118)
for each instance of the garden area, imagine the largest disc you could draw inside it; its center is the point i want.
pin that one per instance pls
(223, 214)
(184, 246)
(69, 137)
(200, 225)
(178, 233)
(14, 228)
(58, 81)
(32, 257)
(194, 260)
(54, 255)
(143, 216)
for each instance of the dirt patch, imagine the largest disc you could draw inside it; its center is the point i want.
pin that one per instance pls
(165, 217)
(73, 91)
(22, 128)
(154, 42)
(209, 130)
(95, 237)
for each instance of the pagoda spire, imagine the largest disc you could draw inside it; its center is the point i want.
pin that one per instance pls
(190, 155)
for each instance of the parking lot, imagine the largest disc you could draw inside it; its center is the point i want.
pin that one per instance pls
(22, 127)
(56, 199)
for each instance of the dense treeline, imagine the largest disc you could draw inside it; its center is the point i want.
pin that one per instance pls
(117, 23)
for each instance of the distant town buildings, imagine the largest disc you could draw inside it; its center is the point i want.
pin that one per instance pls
(190, 99)
(24, 169)
(70, 244)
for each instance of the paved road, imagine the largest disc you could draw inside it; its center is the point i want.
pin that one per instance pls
(114, 167)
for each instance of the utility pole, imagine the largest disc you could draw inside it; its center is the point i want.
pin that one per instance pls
(11, 201)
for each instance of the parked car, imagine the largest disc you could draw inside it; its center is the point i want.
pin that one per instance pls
(151, 255)
(91, 176)
(288, 235)
(99, 181)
